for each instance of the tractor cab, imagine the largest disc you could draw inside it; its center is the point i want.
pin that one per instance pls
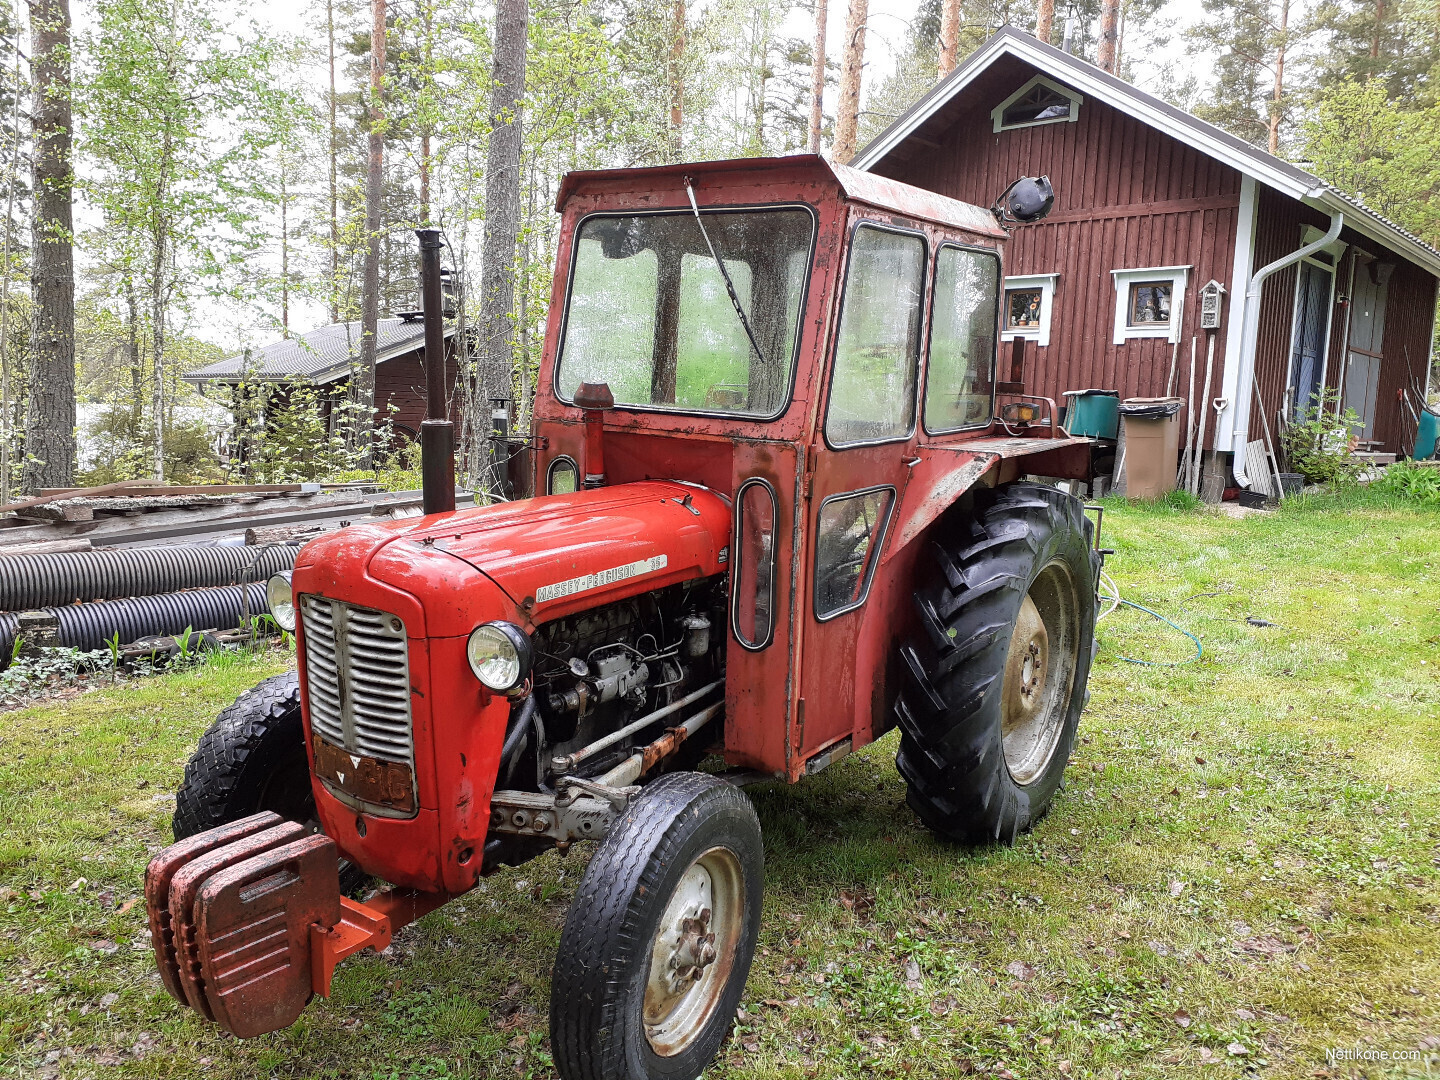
(818, 345)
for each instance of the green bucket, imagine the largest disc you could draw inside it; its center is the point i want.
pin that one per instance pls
(1426, 435)
(1094, 414)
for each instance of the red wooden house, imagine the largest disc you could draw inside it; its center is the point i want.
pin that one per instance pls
(1151, 204)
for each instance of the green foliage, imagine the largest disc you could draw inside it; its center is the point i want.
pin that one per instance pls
(119, 439)
(1317, 443)
(1379, 151)
(1411, 482)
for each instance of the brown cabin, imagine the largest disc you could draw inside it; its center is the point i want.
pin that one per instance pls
(1151, 204)
(325, 358)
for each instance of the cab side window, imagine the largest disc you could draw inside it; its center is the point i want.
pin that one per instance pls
(960, 376)
(872, 388)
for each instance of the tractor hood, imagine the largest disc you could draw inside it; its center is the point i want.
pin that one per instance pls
(549, 556)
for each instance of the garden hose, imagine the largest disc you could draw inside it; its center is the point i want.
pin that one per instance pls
(1115, 600)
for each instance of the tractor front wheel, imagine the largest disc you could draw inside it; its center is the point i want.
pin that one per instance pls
(993, 691)
(252, 759)
(658, 942)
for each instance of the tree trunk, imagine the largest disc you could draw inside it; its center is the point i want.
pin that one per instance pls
(427, 72)
(847, 115)
(284, 256)
(1277, 97)
(1109, 35)
(364, 382)
(949, 35)
(11, 176)
(137, 364)
(1375, 37)
(50, 416)
(334, 195)
(159, 244)
(674, 75)
(817, 76)
(502, 205)
(1044, 20)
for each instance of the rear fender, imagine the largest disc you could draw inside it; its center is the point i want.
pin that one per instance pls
(940, 475)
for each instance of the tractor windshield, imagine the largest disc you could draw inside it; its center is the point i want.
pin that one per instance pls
(648, 311)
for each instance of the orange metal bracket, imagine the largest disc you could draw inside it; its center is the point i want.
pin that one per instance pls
(371, 924)
(358, 927)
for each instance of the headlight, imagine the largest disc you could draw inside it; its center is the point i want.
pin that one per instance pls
(500, 655)
(281, 600)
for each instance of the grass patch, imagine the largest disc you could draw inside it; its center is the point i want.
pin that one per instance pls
(1240, 873)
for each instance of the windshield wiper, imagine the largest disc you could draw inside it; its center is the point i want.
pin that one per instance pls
(720, 264)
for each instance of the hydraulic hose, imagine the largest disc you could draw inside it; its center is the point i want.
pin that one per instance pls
(515, 738)
(55, 579)
(92, 626)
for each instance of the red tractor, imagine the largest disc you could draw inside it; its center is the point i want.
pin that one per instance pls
(780, 515)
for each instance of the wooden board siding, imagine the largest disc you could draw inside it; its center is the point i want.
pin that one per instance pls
(1409, 314)
(1126, 196)
(1409, 308)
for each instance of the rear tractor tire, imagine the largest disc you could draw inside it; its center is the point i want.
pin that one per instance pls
(252, 759)
(993, 688)
(658, 942)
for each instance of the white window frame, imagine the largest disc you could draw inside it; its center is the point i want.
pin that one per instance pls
(997, 114)
(1046, 284)
(1178, 276)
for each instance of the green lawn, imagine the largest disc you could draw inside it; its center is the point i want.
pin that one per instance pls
(1240, 873)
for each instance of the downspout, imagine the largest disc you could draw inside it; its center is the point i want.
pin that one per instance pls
(1249, 341)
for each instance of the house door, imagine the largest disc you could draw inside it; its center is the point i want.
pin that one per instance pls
(1309, 336)
(1367, 337)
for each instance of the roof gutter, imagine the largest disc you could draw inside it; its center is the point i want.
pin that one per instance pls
(1250, 335)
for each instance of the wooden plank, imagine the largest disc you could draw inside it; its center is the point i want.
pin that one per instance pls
(46, 547)
(103, 489)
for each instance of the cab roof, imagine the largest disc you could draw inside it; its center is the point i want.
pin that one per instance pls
(878, 191)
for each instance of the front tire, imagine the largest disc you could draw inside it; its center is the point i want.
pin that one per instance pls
(252, 759)
(993, 691)
(658, 942)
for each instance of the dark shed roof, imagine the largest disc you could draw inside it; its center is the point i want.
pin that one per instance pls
(321, 356)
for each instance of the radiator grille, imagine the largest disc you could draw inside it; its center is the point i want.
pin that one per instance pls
(357, 667)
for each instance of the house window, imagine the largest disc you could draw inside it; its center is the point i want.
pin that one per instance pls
(1149, 302)
(1029, 302)
(1039, 101)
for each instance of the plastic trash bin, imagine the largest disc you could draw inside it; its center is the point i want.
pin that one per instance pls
(1426, 436)
(1152, 445)
(1093, 413)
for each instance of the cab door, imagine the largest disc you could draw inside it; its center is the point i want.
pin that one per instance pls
(862, 445)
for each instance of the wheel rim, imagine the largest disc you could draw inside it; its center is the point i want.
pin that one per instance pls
(694, 950)
(1039, 673)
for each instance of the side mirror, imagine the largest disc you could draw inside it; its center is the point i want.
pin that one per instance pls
(1026, 201)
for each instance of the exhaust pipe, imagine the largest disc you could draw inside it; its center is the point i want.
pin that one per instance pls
(437, 434)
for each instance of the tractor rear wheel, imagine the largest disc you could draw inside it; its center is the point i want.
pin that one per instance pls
(251, 759)
(993, 689)
(658, 942)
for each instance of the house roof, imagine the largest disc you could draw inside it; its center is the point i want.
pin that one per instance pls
(1207, 138)
(866, 187)
(321, 356)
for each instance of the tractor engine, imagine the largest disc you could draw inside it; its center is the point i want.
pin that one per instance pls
(600, 670)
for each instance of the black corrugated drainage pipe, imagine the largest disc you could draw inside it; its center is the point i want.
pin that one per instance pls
(92, 626)
(30, 582)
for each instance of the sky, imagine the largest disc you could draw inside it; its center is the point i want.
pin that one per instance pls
(231, 326)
